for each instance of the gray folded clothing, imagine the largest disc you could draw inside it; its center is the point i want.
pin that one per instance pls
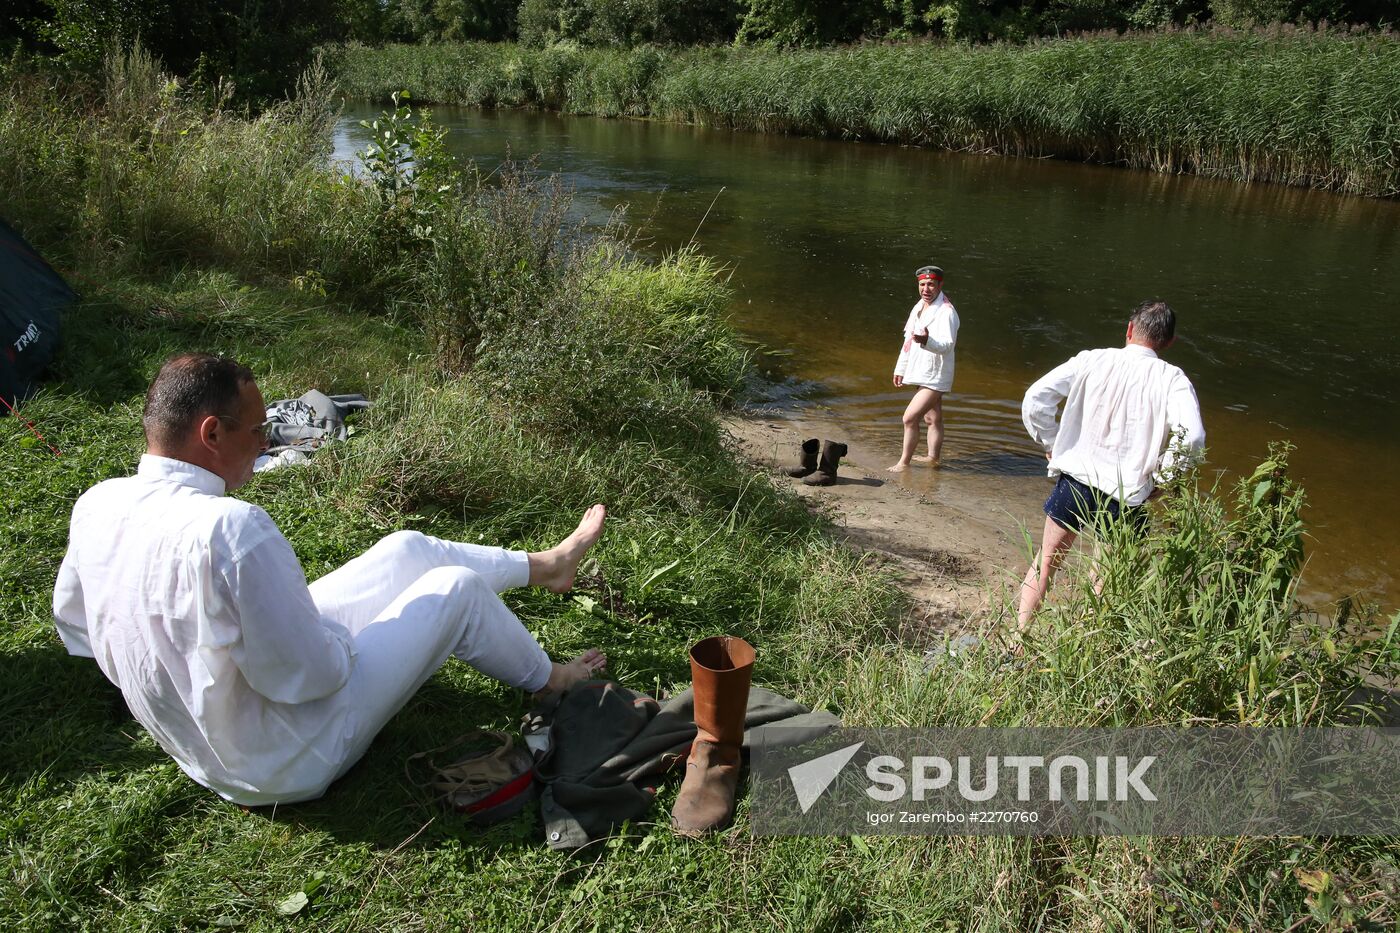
(608, 746)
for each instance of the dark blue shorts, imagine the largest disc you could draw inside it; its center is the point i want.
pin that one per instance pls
(1072, 505)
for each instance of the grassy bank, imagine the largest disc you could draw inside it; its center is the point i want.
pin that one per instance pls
(1319, 109)
(522, 370)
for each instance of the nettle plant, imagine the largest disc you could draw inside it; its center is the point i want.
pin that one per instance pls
(411, 171)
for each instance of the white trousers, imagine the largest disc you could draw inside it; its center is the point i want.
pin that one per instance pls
(410, 602)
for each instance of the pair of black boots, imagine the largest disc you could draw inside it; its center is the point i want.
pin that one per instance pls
(819, 470)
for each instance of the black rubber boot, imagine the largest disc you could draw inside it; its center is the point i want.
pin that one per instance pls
(832, 452)
(808, 463)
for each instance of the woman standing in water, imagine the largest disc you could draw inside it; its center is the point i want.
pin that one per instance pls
(926, 362)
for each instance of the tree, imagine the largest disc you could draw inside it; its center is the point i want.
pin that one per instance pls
(629, 22)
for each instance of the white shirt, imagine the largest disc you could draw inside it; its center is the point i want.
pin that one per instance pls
(1122, 407)
(196, 607)
(931, 364)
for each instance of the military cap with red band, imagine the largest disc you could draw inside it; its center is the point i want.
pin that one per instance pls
(929, 272)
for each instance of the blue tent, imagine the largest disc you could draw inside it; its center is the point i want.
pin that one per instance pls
(32, 298)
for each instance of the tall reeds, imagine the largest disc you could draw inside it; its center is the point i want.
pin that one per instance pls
(1316, 108)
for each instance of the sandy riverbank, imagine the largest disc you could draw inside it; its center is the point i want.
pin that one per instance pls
(958, 561)
(958, 538)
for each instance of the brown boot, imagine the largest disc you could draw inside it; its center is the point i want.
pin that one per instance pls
(808, 463)
(721, 669)
(832, 452)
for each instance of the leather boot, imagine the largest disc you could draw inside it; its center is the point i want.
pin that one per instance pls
(720, 669)
(808, 463)
(832, 452)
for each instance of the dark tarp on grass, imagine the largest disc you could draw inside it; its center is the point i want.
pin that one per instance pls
(32, 296)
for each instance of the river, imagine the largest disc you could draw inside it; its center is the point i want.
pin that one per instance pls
(1285, 298)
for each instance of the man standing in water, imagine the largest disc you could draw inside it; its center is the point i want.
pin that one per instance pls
(1128, 418)
(926, 362)
(262, 688)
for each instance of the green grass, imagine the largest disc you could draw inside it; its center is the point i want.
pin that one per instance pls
(1301, 107)
(186, 228)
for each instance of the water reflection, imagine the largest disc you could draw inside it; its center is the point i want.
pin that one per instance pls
(1284, 296)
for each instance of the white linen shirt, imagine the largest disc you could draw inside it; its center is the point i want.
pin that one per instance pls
(1123, 405)
(195, 606)
(931, 364)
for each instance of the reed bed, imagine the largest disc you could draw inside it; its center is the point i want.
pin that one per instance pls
(1314, 108)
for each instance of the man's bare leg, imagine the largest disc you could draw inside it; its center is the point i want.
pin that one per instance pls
(913, 417)
(1094, 576)
(581, 668)
(1054, 545)
(556, 568)
(934, 419)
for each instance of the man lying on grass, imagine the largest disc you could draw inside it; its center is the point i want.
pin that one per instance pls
(262, 688)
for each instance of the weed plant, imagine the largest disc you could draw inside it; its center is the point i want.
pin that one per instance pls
(1304, 107)
(521, 371)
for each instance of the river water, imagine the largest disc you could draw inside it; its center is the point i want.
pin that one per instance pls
(1286, 299)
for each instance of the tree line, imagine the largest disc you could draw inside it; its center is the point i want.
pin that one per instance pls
(792, 23)
(264, 44)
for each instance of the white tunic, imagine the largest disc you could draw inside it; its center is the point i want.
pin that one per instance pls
(1122, 407)
(261, 688)
(931, 364)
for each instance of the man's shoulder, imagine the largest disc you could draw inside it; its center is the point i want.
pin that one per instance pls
(1168, 371)
(1155, 371)
(221, 521)
(109, 494)
(242, 524)
(1085, 358)
(1148, 361)
(229, 526)
(111, 487)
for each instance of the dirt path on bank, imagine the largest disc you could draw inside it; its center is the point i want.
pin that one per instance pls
(957, 561)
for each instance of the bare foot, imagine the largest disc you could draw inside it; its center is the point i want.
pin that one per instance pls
(897, 468)
(923, 458)
(556, 568)
(581, 668)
